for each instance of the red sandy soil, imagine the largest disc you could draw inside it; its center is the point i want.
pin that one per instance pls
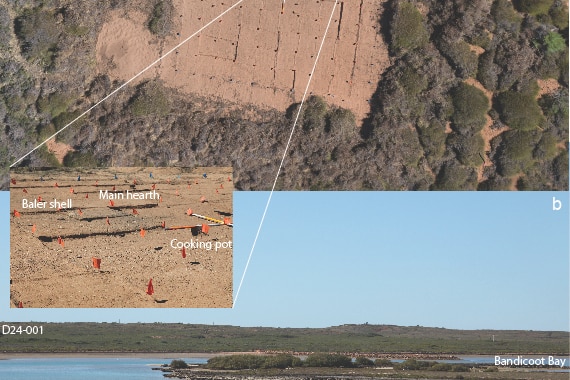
(547, 86)
(487, 132)
(45, 273)
(256, 54)
(58, 149)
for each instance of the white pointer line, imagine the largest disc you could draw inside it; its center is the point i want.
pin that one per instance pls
(127, 82)
(285, 152)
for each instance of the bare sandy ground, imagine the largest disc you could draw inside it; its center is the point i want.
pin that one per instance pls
(48, 272)
(256, 53)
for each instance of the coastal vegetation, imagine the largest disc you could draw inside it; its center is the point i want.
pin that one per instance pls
(176, 337)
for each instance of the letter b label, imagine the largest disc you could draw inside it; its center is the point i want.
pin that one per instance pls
(556, 204)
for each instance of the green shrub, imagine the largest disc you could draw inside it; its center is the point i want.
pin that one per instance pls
(464, 60)
(54, 105)
(546, 147)
(341, 121)
(160, 21)
(38, 33)
(453, 176)
(363, 362)
(314, 113)
(519, 110)
(281, 361)
(470, 105)
(178, 364)
(554, 42)
(328, 360)
(505, 16)
(408, 30)
(74, 159)
(559, 15)
(469, 149)
(383, 363)
(533, 7)
(516, 152)
(432, 138)
(150, 99)
(412, 82)
(487, 71)
(236, 362)
(411, 365)
(442, 367)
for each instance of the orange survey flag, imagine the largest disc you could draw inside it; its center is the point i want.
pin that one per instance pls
(13, 181)
(163, 224)
(113, 188)
(71, 190)
(229, 179)
(150, 288)
(96, 183)
(79, 211)
(134, 181)
(202, 199)
(189, 212)
(177, 193)
(221, 185)
(16, 214)
(153, 187)
(135, 212)
(40, 199)
(108, 221)
(56, 185)
(60, 241)
(20, 305)
(160, 199)
(25, 191)
(183, 252)
(87, 195)
(143, 232)
(34, 229)
(205, 228)
(96, 262)
(227, 220)
(217, 191)
(111, 203)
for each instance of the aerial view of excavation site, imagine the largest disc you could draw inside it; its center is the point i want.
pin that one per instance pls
(373, 94)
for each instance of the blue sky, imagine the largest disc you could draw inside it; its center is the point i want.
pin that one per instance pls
(464, 260)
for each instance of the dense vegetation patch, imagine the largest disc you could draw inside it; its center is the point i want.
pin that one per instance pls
(408, 30)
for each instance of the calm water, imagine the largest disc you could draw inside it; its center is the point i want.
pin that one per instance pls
(122, 368)
(84, 368)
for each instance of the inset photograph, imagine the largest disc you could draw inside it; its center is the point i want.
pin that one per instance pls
(121, 238)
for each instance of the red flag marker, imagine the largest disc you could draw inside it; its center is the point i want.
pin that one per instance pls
(189, 212)
(25, 191)
(217, 191)
(183, 252)
(87, 195)
(135, 212)
(227, 220)
(108, 221)
(163, 224)
(143, 232)
(13, 180)
(111, 203)
(79, 211)
(203, 199)
(56, 185)
(34, 229)
(20, 305)
(153, 187)
(40, 199)
(113, 188)
(160, 199)
(150, 288)
(134, 181)
(16, 214)
(96, 183)
(221, 185)
(205, 228)
(229, 179)
(96, 262)
(71, 190)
